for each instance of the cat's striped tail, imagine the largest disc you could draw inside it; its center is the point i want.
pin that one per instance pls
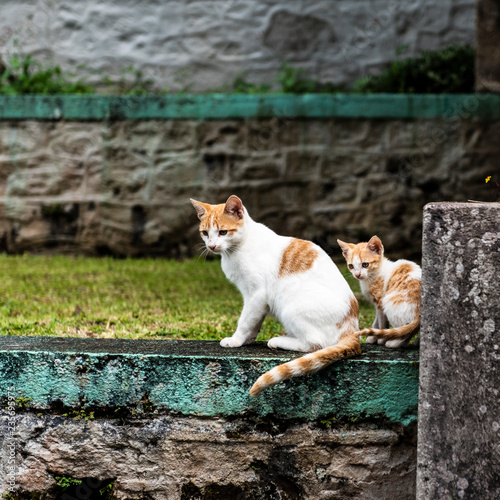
(347, 347)
(394, 333)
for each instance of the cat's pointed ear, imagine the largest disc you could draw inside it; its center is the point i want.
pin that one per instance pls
(200, 208)
(345, 247)
(375, 245)
(234, 207)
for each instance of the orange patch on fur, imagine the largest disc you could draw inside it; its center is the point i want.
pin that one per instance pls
(399, 277)
(217, 218)
(376, 290)
(298, 257)
(348, 346)
(306, 365)
(406, 289)
(361, 251)
(350, 322)
(285, 372)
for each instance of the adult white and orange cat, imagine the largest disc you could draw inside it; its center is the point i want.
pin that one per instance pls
(292, 279)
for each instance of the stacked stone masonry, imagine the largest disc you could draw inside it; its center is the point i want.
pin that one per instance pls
(123, 187)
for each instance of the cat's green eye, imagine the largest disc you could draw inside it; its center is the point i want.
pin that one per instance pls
(365, 264)
(204, 233)
(350, 266)
(223, 232)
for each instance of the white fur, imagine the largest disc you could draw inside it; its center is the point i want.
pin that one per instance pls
(396, 315)
(309, 304)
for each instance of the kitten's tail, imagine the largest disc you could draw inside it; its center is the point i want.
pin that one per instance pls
(394, 333)
(347, 347)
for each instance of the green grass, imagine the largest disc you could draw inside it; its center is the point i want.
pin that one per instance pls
(109, 298)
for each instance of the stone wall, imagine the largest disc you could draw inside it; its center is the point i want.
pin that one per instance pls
(123, 187)
(174, 420)
(191, 458)
(207, 44)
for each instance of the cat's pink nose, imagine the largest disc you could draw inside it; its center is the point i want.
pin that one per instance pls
(212, 247)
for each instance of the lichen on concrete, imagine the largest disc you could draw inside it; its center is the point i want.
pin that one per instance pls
(459, 395)
(203, 379)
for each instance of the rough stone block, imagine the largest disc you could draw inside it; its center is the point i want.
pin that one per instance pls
(173, 419)
(459, 402)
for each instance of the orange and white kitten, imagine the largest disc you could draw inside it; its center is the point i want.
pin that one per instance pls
(292, 279)
(392, 287)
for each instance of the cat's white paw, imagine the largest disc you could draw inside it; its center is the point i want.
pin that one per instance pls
(371, 339)
(381, 341)
(230, 342)
(273, 343)
(395, 343)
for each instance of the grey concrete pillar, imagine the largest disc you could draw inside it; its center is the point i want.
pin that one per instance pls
(488, 46)
(459, 401)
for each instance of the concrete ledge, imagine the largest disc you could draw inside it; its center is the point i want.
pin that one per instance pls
(202, 379)
(221, 106)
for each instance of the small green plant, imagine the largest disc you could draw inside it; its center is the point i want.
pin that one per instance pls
(328, 423)
(22, 402)
(21, 496)
(79, 414)
(24, 75)
(241, 86)
(106, 491)
(293, 80)
(450, 70)
(65, 482)
(132, 82)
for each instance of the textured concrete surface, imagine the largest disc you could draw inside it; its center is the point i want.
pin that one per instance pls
(203, 379)
(459, 403)
(123, 187)
(191, 458)
(205, 44)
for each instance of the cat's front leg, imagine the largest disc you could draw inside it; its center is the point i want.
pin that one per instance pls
(252, 316)
(380, 323)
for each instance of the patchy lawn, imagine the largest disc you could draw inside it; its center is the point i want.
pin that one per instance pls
(131, 298)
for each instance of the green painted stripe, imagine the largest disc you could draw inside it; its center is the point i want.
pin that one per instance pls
(221, 106)
(203, 379)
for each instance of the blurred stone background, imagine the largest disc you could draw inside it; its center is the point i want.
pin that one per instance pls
(206, 44)
(123, 187)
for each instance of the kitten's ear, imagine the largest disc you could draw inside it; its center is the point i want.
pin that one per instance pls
(200, 208)
(234, 207)
(346, 248)
(375, 245)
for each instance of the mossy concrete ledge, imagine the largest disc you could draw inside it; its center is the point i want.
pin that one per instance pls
(223, 106)
(173, 419)
(201, 378)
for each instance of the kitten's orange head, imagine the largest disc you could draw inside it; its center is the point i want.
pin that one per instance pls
(221, 225)
(363, 258)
